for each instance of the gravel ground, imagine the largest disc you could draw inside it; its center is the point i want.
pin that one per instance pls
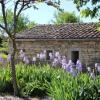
(17, 98)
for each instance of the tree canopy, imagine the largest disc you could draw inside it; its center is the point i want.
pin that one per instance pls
(22, 23)
(65, 17)
(31, 24)
(88, 7)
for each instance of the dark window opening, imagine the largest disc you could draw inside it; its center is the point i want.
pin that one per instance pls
(47, 54)
(75, 56)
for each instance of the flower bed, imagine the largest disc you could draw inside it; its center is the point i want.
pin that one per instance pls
(56, 82)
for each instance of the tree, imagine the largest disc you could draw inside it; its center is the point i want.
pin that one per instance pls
(88, 7)
(22, 23)
(65, 17)
(18, 7)
(31, 24)
(0, 41)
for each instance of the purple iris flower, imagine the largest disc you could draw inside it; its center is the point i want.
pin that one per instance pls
(26, 60)
(51, 56)
(38, 55)
(1, 59)
(96, 65)
(21, 54)
(63, 61)
(9, 58)
(59, 59)
(73, 71)
(79, 66)
(92, 75)
(55, 62)
(70, 62)
(64, 65)
(68, 68)
(98, 69)
(88, 69)
(44, 51)
(57, 54)
(34, 59)
(42, 56)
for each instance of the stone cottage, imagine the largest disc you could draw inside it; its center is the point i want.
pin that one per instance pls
(74, 40)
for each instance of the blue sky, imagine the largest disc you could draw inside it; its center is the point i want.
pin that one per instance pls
(46, 13)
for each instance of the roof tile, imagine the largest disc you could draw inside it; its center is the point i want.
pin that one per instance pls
(63, 31)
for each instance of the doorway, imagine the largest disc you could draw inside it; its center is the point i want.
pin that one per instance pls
(74, 56)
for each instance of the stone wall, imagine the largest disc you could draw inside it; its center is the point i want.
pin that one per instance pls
(89, 51)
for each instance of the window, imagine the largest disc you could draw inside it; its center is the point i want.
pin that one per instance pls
(47, 54)
(74, 56)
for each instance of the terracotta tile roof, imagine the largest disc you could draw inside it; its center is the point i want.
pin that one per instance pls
(63, 31)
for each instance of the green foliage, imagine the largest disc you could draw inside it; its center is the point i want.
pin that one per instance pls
(85, 12)
(4, 56)
(31, 24)
(65, 17)
(44, 80)
(80, 88)
(4, 50)
(31, 79)
(88, 7)
(22, 23)
(4, 63)
(5, 81)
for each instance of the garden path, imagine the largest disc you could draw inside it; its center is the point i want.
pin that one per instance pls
(17, 98)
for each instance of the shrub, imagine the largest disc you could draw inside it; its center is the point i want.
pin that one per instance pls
(5, 81)
(4, 50)
(3, 60)
(32, 79)
(4, 56)
(82, 87)
(44, 80)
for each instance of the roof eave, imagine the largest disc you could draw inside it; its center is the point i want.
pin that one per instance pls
(28, 39)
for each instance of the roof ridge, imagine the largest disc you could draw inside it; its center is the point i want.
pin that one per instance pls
(65, 24)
